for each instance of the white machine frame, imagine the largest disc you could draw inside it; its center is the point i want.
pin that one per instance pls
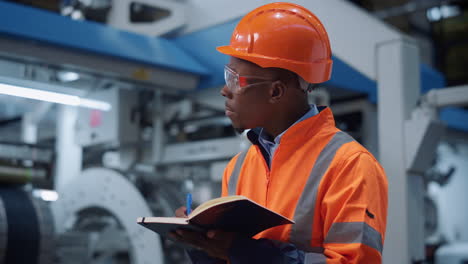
(107, 189)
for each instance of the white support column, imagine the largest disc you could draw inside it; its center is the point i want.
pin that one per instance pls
(158, 129)
(398, 81)
(69, 154)
(28, 129)
(369, 128)
(31, 120)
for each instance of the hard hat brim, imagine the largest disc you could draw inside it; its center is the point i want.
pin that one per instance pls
(322, 69)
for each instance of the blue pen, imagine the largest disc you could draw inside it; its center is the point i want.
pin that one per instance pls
(189, 203)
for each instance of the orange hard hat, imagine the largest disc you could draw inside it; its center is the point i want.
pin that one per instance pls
(283, 35)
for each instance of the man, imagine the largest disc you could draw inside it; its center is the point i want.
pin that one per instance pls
(299, 165)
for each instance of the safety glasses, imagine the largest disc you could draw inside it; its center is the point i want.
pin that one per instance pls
(237, 84)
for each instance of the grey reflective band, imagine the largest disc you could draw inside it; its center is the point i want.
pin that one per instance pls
(232, 185)
(315, 258)
(355, 232)
(301, 232)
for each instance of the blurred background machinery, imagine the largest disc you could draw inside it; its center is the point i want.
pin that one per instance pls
(26, 226)
(93, 212)
(110, 110)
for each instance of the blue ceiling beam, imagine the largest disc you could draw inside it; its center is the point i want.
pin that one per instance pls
(32, 24)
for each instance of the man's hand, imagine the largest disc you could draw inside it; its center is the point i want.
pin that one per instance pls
(181, 212)
(215, 243)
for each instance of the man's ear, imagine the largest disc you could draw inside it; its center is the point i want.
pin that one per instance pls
(277, 91)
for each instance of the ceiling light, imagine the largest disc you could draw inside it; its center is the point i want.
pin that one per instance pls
(53, 97)
(67, 76)
(435, 14)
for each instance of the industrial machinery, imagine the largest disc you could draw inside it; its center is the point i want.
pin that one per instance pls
(26, 227)
(22, 163)
(94, 215)
(453, 254)
(99, 209)
(26, 221)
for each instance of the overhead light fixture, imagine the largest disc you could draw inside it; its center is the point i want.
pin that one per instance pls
(445, 11)
(53, 97)
(67, 76)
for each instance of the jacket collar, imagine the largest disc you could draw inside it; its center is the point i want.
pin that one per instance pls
(301, 130)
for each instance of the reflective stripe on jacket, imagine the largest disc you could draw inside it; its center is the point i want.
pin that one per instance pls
(331, 186)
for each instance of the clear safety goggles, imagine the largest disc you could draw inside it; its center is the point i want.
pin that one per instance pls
(237, 83)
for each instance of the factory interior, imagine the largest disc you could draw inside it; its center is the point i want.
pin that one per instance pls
(111, 110)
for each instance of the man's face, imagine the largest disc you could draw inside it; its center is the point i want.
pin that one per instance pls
(247, 99)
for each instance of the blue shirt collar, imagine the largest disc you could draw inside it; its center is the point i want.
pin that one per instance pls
(263, 138)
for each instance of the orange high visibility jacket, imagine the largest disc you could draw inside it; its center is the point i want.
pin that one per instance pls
(331, 186)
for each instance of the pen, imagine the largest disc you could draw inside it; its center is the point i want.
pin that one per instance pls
(189, 204)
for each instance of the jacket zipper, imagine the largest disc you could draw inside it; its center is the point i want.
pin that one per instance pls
(267, 187)
(267, 171)
(268, 179)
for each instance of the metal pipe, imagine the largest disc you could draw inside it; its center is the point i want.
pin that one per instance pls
(452, 96)
(21, 175)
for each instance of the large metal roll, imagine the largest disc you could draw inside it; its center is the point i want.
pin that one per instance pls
(26, 228)
(103, 199)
